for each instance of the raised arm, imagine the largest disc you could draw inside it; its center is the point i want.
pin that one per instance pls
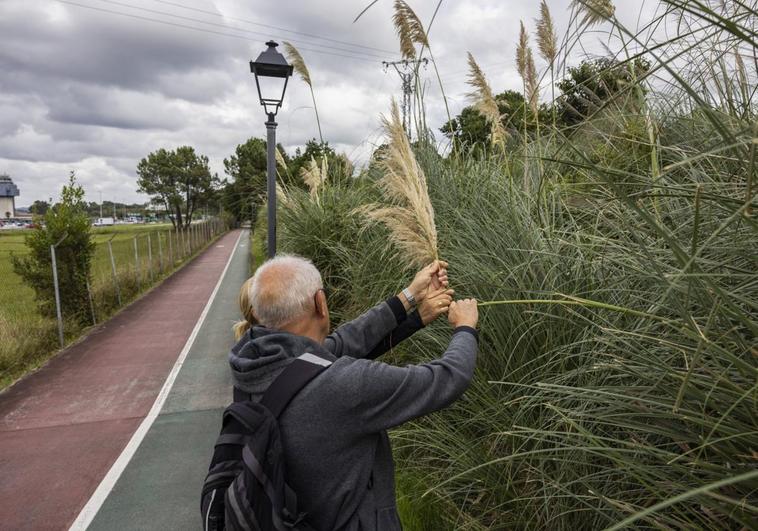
(360, 336)
(433, 306)
(403, 331)
(387, 396)
(374, 332)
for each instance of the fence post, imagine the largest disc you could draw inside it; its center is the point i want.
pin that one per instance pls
(136, 265)
(91, 303)
(170, 251)
(150, 258)
(57, 294)
(113, 270)
(160, 252)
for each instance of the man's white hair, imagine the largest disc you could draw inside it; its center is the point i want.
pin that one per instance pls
(282, 290)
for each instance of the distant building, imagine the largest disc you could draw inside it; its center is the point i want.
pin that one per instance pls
(23, 214)
(8, 193)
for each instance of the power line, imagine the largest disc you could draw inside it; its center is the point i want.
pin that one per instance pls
(226, 26)
(465, 71)
(213, 32)
(215, 14)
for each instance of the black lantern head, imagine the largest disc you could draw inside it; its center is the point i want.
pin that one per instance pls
(271, 72)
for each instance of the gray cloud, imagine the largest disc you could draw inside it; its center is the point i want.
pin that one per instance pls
(92, 91)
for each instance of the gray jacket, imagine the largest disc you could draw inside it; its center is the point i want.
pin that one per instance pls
(337, 452)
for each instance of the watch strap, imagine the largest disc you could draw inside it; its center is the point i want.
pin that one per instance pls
(409, 296)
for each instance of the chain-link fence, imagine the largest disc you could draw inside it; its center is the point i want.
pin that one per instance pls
(127, 261)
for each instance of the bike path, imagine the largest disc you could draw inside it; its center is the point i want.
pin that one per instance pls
(63, 427)
(160, 486)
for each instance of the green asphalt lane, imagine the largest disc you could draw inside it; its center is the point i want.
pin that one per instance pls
(160, 487)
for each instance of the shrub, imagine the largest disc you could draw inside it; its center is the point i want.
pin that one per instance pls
(67, 225)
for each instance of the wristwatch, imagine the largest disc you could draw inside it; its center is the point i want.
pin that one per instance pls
(409, 297)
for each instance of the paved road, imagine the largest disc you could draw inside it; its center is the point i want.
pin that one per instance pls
(160, 488)
(63, 427)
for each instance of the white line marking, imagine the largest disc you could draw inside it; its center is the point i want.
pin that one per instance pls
(97, 499)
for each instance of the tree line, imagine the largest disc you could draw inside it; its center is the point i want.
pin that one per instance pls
(180, 180)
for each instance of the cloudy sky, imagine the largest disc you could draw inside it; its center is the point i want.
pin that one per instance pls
(95, 85)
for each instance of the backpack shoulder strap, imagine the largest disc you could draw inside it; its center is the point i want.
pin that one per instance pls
(291, 380)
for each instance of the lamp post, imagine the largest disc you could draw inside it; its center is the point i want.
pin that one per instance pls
(271, 72)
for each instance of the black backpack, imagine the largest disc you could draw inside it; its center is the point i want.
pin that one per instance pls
(245, 488)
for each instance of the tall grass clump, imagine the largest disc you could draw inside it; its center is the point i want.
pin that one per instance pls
(617, 377)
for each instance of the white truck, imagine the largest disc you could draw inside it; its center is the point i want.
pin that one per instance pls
(104, 222)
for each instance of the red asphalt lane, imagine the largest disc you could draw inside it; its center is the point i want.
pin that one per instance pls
(62, 427)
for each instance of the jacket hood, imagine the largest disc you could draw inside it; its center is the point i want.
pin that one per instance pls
(262, 353)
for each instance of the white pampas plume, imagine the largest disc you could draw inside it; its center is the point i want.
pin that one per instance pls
(411, 218)
(314, 175)
(484, 102)
(595, 11)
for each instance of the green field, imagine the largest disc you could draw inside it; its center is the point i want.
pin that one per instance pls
(27, 339)
(16, 297)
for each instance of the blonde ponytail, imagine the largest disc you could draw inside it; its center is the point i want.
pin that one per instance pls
(240, 329)
(246, 308)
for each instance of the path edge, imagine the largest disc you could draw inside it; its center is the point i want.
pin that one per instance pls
(95, 502)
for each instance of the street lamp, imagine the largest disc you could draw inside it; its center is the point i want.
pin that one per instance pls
(271, 72)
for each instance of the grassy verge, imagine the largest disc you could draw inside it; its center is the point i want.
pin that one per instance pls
(28, 340)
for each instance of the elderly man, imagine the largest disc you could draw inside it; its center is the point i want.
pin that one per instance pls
(338, 455)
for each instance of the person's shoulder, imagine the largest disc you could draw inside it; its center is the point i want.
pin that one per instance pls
(348, 374)
(345, 366)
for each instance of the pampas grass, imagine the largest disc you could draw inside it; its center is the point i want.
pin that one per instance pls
(629, 403)
(281, 196)
(298, 64)
(314, 175)
(527, 70)
(547, 43)
(528, 73)
(410, 32)
(411, 219)
(595, 11)
(280, 158)
(414, 29)
(404, 32)
(547, 39)
(521, 48)
(484, 102)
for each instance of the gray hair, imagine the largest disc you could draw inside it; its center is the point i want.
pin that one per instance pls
(282, 289)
